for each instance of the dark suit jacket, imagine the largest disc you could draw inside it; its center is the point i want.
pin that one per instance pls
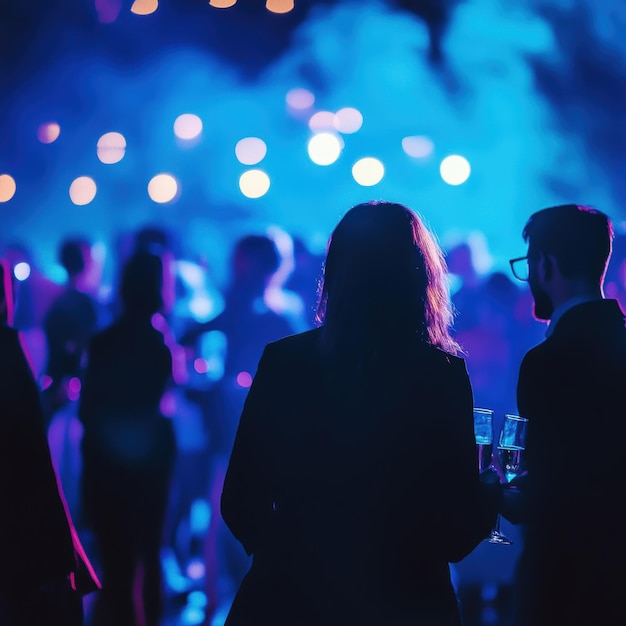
(572, 389)
(354, 494)
(38, 543)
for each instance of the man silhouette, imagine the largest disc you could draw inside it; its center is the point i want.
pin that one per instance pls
(571, 388)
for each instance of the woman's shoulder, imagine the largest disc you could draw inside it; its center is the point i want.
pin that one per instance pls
(299, 345)
(443, 359)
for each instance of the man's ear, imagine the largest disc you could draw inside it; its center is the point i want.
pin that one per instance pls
(548, 266)
(545, 266)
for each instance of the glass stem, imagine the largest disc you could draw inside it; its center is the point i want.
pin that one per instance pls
(496, 526)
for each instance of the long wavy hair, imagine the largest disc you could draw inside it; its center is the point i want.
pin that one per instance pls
(384, 284)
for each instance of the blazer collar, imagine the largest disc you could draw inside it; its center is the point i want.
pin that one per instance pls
(590, 316)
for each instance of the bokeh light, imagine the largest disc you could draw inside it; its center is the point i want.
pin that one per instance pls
(48, 132)
(368, 171)
(192, 616)
(73, 389)
(108, 10)
(418, 146)
(111, 147)
(324, 148)
(144, 7)
(254, 183)
(279, 6)
(201, 365)
(348, 120)
(322, 120)
(197, 598)
(222, 4)
(45, 381)
(244, 379)
(21, 271)
(201, 307)
(83, 190)
(7, 187)
(299, 99)
(250, 150)
(187, 126)
(163, 188)
(455, 169)
(195, 569)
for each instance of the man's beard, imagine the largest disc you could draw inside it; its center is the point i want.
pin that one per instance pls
(543, 307)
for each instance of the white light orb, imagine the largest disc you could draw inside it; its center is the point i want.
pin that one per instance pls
(83, 190)
(418, 146)
(187, 126)
(21, 271)
(254, 183)
(455, 169)
(324, 148)
(163, 188)
(111, 147)
(368, 171)
(7, 187)
(348, 120)
(250, 150)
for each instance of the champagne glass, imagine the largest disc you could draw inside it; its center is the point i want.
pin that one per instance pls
(511, 444)
(483, 435)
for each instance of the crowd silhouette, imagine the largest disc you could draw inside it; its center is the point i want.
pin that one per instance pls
(141, 385)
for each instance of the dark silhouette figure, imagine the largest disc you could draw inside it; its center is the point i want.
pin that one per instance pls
(128, 447)
(246, 325)
(44, 571)
(68, 325)
(571, 389)
(466, 300)
(353, 479)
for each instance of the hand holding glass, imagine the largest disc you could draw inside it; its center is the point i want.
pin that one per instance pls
(483, 435)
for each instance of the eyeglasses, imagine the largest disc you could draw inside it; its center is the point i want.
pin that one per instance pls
(519, 267)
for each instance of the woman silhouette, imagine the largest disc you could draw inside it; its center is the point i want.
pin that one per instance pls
(353, 479)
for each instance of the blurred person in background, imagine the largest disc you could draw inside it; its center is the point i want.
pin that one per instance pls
(336, 484)
(128, 448)
(44, 571)
(468, 288)
(304, 279)
(69, 324)
(246, 325)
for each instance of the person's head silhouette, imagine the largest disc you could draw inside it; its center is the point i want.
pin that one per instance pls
(385, 277)
(75, 257)
(568, 250)
(141, 285)
(255, 259)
